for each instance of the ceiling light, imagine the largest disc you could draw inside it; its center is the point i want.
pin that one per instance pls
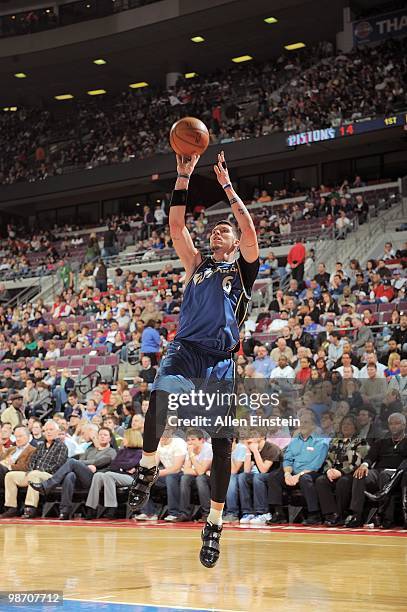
(198, 39)
(6, 108)
(190, 75)
(241, 58)
(20, 75)
(64, 97)
(138, 85)
(271, 20)
(99, 62)
(13, 109)
(96, 92)
(294, 46)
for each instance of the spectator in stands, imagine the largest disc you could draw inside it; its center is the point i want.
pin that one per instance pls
(371, 359)
(385, 453)
(400, 336)
(388, 251)
(100, 274)
(171, 456)
(15, 413)
(150, 342)
(345, 454)
(283, 370)
(109, 243)
(120, 474)
(44, 462)
(97, 456)
(16, 457)
(399, 382)
(147, 372)
(280, 350)
(7, 437)
(62, 386)
(197, 463)
(263, 363)
(8, 383)
(232, 498)
(260, 457)
(367, 428)
(302, 463)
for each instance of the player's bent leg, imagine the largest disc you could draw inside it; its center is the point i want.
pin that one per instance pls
(147, 472)
(220, 476)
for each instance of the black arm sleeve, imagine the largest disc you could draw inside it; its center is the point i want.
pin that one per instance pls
(249, 272)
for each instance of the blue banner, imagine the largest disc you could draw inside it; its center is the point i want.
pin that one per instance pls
(380, 27)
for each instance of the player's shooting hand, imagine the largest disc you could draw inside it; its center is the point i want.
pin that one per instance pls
(186, 165)
(221, 171)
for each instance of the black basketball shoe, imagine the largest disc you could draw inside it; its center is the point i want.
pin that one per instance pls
(139, 493)
(210, 544)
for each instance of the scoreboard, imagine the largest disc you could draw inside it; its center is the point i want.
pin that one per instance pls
(348, 129)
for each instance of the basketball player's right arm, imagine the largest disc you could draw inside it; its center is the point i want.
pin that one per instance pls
(183, 245)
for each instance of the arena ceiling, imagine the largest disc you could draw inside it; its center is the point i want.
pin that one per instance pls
(148, 53)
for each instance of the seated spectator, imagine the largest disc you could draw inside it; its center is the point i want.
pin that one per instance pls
(373, 388)
(197, 463)
(351, 394)
(283, 370)
(281, 349)
(386, 453)
(15, 413)
(368, 429)
(263, 364)
(260, 458)
(347, 370)
(44, 462)
(345, 454)
(53, 351)
(16, 457)
(7, 438)
(371, 359)
(37, 437)
(147, 372)
(302, 463)
(304, 372)
(171, 455)
(62, 386)
(97, 456)
(399, 382)
(232, 497)
(119, 474)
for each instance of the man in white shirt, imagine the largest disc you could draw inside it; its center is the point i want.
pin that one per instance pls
(347, 370)
(195, 473)
(283, 370)
(371, 358)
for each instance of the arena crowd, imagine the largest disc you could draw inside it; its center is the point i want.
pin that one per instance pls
(332, 343)
(314, 88)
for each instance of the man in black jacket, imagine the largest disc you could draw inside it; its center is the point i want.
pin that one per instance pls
(385, 453)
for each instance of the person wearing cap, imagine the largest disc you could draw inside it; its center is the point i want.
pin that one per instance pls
(74, 419)
(15, 413)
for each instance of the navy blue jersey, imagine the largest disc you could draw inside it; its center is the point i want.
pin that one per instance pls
(215, 304)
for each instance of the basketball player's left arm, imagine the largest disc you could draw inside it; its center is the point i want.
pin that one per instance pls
(248, 246)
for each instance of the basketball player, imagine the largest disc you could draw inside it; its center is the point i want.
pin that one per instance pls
(214, 305)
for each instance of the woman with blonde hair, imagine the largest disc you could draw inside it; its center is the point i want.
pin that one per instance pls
(393, 365)
(119, 474)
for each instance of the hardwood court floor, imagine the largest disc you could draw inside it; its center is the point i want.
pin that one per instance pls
(259, 569)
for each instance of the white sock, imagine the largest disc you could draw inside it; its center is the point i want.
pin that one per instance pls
(148, 461)
(215, 517)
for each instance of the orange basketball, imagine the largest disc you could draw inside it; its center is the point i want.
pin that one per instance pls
(189, 136)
